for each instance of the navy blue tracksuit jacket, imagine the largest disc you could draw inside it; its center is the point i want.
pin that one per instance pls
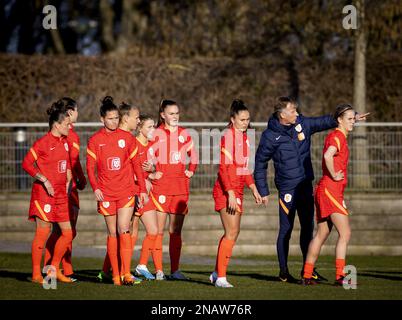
(289, 148)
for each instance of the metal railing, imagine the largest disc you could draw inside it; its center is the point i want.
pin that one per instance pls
(384, 144)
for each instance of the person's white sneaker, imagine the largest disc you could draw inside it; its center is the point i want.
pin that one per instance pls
(222, 283)
(142, 270)
(177, 275)
(160, 275)
(213, 277)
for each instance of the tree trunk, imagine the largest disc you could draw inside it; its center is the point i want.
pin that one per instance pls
(107, 16)
(360, 155)
(126, 26)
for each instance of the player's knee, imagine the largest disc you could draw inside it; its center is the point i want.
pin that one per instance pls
(232, 234)
(68, 235)
(112, 233)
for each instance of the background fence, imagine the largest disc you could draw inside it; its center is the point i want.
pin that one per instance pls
(384, 144)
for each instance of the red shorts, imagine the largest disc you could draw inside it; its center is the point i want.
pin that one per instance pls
(49, 212)
(169, 204)
(221, 199)
(73, 199)
(109, 208)
(328, 201)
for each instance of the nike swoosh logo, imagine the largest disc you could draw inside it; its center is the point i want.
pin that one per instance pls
(277, 138)
(52, 148)
(101, 145)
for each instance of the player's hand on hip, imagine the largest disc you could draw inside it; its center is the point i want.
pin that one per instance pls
(188, 173)
(99, 195)
(143, 199)
(338, 176)
(232, 204)
(49, 188)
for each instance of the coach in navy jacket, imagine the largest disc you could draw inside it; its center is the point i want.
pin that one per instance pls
(287, 141)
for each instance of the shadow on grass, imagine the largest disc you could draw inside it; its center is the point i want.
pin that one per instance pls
(380, 276)
(20, 276)
(87, 276)
(80, 275)
(256, 276)
(386, 272)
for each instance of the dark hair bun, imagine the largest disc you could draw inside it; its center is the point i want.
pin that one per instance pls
(55, 107)
(107, 100)
(237, 105)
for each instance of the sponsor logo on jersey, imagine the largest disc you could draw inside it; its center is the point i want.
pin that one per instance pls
(122, 143)
(113, 163)
(62, 166)
(287, 197)
(162, 199)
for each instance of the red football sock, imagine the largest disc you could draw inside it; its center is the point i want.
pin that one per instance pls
(308, 270)
(217, 254)
(50, 243)
(112, 248)
(61, 246)
(125, 253)
(175, 244)
(38, 243)
(224, 254)
(66, 261)
(339, 265)
(157, 253)
(148, 245)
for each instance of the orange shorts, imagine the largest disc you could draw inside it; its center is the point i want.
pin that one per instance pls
(328, 201)
(169, 204)
(49, 212)
(221, 199)
(110, 208)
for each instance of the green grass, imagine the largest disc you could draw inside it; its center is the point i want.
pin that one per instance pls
(378, 278)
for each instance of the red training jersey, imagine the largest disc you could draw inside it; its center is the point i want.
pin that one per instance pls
(73, 141)
(233, 167)
(114, 156)
(337, 139)
(171, 150)
(145, 153)
(49, 156)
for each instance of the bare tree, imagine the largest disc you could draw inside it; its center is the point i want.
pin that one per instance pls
(107, 16)
(361, 170)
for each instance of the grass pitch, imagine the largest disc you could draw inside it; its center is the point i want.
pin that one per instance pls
(378, 278)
